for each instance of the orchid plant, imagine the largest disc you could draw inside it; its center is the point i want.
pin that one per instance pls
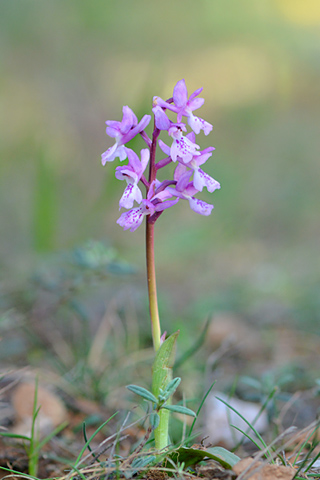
(188, 180)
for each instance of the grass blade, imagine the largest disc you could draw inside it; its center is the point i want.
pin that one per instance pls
(199, 410)
(249, 425)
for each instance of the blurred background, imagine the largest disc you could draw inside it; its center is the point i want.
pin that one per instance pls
(67, 67)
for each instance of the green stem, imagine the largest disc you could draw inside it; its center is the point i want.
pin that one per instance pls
(161, 432)
(152, 287)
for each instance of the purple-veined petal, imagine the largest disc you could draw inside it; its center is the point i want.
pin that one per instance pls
(199, 206)
(132, 193)
(131, 219)
(198, 124)
(182, 147)
(202, 179)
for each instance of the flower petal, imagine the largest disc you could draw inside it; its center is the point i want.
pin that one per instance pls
(145, 155)
(202, 179)
(112, 153)
(137, 129)
(165, 148)
(161, 119)
(132, 193)
(198, 124)
(129, 119)
(195, 93)
(134, 161)
(195, 103)
(182, 147)
(180, 94)
(131, 219)
(199, 206)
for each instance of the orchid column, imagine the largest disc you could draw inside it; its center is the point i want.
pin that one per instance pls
(188, 180)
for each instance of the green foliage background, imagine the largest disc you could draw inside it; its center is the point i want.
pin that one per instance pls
(68, 66)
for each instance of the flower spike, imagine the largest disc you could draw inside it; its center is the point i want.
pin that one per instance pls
(189, 178)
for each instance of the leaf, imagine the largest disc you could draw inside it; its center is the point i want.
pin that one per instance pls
(200, 407)
(138, 464)
(142, 392)
(154, 420)
(180, 409)
(14, 435)
(161, 377)
(74, 467)
(192, 456)
(163, 364)
(170, 388)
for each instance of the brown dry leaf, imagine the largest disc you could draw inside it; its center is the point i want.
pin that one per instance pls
(52, 411)
(262, 471)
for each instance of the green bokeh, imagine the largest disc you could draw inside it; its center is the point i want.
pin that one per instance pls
(68, 66)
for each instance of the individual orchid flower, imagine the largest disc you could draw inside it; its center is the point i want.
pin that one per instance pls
(123, 132)
(157, 200)
(132, 173)
(183, 106)
(134, 217)
(200, 178)
(186, 106)
(186, 190)
(181, 146)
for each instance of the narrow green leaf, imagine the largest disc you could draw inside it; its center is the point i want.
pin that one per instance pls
(14, 435)
(171, 388)
(142, 392)
(154, 420)
(18, 474)
(74, 467)
(249, 425)
(180, 409)
(199, 408)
